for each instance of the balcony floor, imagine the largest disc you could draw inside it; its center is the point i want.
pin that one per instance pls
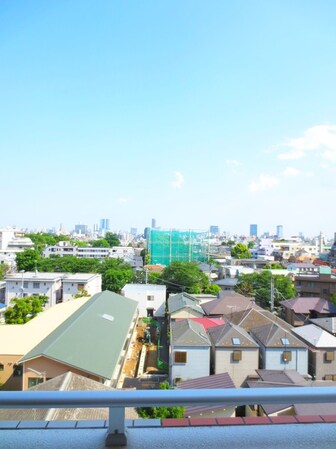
(282, 436)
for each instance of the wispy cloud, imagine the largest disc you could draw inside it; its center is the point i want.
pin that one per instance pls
(233, 163)
(291, 171)
(123, 200)
(178, 180)
(263, 182)
(320, 139)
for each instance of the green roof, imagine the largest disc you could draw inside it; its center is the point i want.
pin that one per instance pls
(93, 337)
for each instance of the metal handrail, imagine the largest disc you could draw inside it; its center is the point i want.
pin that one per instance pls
(117, 400)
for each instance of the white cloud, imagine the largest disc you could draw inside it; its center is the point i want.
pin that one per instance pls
(232, 163)
(291, 171)
(123, 200)
(178, 180)
(264, 182)
(291, 155)
(321, 139)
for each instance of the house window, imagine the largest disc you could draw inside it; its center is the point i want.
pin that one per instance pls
(329, 356)
(236, 341)
(287, 356)
(150, 297)
(32, 381)
(285, 341)
(17, 372)
(1, 367)
(25, 284)
(180, 357)
(36, 285)
(80, 287)
(236, 356)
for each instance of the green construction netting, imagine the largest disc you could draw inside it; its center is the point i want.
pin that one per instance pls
(165, 246)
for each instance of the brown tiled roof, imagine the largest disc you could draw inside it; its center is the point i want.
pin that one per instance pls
(271, 335)
(221, 336)
(305, 305)
(222, 380)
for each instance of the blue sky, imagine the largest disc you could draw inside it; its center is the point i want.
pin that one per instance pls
(195, 113)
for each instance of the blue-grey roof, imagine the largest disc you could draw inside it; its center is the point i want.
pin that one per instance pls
(188, 333)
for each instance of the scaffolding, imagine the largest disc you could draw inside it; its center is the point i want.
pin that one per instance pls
(166, 246)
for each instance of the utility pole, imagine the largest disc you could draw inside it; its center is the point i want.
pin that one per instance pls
(272, 294)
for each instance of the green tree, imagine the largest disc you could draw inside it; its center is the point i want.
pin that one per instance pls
(161, 412)
(115, 279)
(240, 251)
(101, 243)
(27, 259)
(25, 309)
(112, 239)
(41, 239)
(4, 269)
(250, 245)
(187, 276)
(212, 289)
(259, 286)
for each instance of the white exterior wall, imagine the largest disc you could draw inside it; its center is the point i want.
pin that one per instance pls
(141, 292)
(272, 358)
(185, 313)
(223, 363)
(197, 365)
(50, 288)
(92, 286)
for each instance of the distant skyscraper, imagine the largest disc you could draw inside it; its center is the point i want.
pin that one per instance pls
(253, 230)
(153, 223)
(81, 229)
(214, 230)
(134, 231)
(279, 232)
(104, 224)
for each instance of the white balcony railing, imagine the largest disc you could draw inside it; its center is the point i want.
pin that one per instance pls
(116, 401)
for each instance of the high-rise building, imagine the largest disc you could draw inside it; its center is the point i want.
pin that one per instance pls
(214, 230)
(81, 229)
(153, 223)
(253, 230)
(104, 224)
(279, 232)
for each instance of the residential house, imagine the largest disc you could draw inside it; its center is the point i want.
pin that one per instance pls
(283, 379)
(58, 287)
(322, 350)
(215, 381)
(227, 303)
(321, 285)
(73, 284)
(151, 298)
(328, 324)
(227, 284)
(93, 342)
(12, 241)
(280, 349)
(189, 355)
(183, 305)
(234, 352)
(298, 311)
(18, 339)
(256, 317)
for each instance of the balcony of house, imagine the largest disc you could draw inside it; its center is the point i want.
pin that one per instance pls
(254, 432)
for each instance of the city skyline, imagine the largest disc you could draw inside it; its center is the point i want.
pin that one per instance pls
(188, 112)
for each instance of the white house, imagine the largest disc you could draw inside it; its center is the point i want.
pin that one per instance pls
(151, 298)
(12, 242)
(58, 287)
(75, 283)
(189, 351)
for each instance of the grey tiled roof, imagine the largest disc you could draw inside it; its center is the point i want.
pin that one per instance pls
(189, 333)
(222, 336)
